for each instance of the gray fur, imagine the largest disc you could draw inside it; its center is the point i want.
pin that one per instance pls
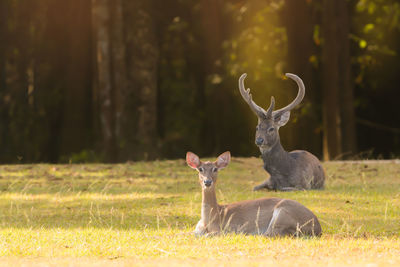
(296, 170)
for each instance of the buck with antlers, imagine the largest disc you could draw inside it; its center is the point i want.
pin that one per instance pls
(265, 216)
(296, 170)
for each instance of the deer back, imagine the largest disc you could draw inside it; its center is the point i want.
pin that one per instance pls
(256, 216)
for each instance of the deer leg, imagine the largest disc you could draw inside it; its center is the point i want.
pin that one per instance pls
(200, 229)
(281, 224)
(287, 189)
(203, 230)
(213, 234)
(268, 184)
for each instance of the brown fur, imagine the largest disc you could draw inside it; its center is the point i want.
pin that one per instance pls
(265, 216)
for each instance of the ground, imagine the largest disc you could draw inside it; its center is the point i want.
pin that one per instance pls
(140, 214)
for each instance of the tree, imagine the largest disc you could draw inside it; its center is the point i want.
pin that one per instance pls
(130, 80)
(76, 112)
(4, 118)
(103, 86)
(346, 85)
(142, 54)
(299, 21)
(336, 81)
(119, 75)
(215, 98)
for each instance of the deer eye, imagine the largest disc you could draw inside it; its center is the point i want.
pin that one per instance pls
(257, 128)
(201, 169)
(271, 129)
(214, 169)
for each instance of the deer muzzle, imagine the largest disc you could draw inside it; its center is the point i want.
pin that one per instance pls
(207, 183)
(259, 141)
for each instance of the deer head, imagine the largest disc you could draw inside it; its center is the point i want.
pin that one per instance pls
(208, 170)
(270, 121)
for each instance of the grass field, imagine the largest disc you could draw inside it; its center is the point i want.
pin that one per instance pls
(143, 213)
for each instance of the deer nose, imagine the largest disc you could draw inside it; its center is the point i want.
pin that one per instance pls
(259, 141)
(207, 183)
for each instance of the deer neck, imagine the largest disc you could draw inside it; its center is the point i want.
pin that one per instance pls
(210, 209)
(276, 159)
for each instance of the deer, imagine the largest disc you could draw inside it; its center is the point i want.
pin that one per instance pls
(289, 171)
(270, 217)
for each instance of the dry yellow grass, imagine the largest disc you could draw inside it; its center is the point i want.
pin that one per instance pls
(142, 214)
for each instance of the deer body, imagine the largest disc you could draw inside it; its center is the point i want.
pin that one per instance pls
(296, 170)
(265, 216)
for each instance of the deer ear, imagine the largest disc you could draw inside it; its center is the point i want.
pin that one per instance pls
(192, 160)
(281, 120)
(223, 160)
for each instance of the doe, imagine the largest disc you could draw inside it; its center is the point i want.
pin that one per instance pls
(266, 216)
(296, 170)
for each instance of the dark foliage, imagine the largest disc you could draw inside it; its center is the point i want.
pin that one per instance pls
(118, 80)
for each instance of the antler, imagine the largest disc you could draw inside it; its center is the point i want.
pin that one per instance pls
(259, 111)
(297, 100)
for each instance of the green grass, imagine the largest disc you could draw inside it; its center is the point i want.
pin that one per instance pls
(143, 214)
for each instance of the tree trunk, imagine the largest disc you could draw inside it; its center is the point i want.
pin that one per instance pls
(3, 41)
(118, 69)
(332, 71)
(215, 99)
(76, 111)
(346, 84)
(103, 88)
(298, 20)
(22, 117)
(142, 61)
(3, 89)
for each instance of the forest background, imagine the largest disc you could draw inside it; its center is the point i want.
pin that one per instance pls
(115, 80)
